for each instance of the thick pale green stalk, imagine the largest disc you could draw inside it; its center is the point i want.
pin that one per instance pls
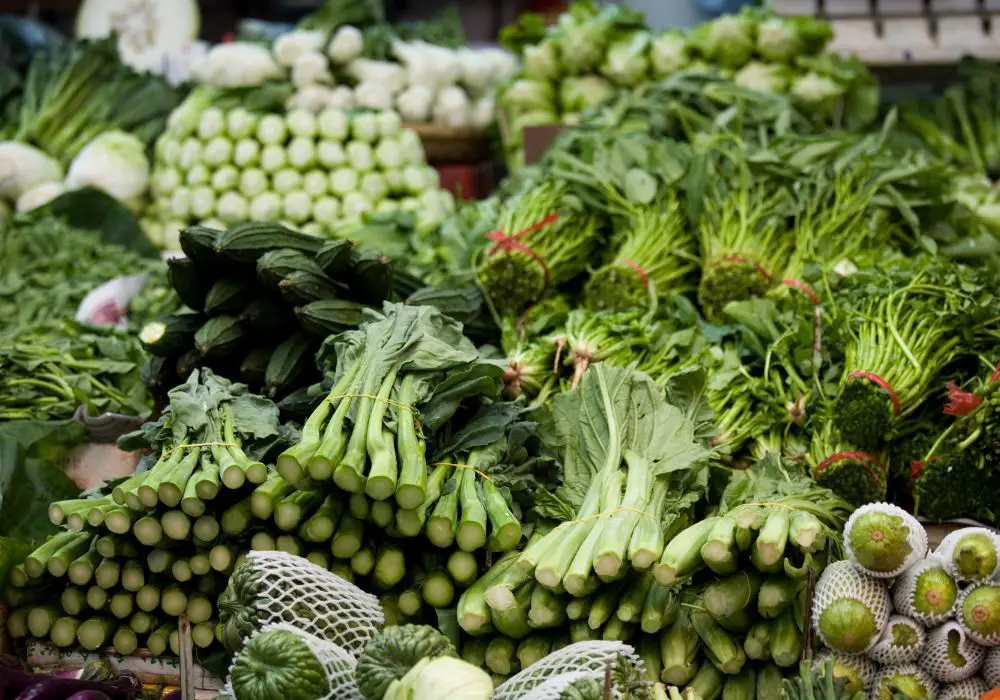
(173, 601)
(682, 555)
(170, 491)
(147, 492)
(148, 531)
(95, 632)
(634, 599)
(159, 639)
(97, 598)
(471, 533)
(159, 560)
(438, 590)
(133, 576)
(505, 530)
(411, 450)
(409, 522)
(63, 632)
(147, 598)
(605, 604)
(199, 608)
(581, 567)
(176, 525)
(108, 573)
(73, 600)
(236, 518)
(646, 544)
(141, 622)
(291, 463)
(81, 569)
(35, 564)
(200, 564)
(207, 481)
(41, 618)
(383, 470)
(321, 525)
(617, 530)
(720, 551)
(205, 529)
(347, 540)
(265, 496)
(443, 522)
(390, 566)
(125, 640)
(180, 570)
(118, 520)
(770, 543)
(349, 474)
(363, 560)
(462, 567)
(546, 609)
(121, 604)
(293, 508)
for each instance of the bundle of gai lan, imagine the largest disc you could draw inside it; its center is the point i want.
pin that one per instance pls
(399, 377)
(621, 446)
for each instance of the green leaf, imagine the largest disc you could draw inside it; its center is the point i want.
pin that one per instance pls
(12, 552)
(640, 186)
(30, 478)
(92, 209)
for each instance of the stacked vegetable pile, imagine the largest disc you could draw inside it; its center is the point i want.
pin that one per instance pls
(934, 630)
(580, 62)
(709, 592)
(261, 298)
(140, 551)
(79, 117)
(221, 162)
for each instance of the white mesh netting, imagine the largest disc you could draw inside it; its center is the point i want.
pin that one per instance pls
(969, 689)
(293, 590)
(929, 579)
(978, 613)
(991, 667)
(894, 527)
(858, 664)
(949, 655)
(337, 663)
(891, 673)
(553, 688)
(901, 642)
(961, 558)
(842, 581)
(582, 657)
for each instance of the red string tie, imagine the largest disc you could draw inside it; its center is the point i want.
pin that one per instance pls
(960, 403)
(802, 287)
(875, 379)
(996, 373)
(863, 458)
(744, 260)
(917, 466)
(510, 242)
(638, 270)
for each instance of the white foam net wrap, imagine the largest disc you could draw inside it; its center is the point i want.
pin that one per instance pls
(293, 590)
(337, 663)
(969, 689)
(840, 581)
(864, 667)
(875, 688)
(580, 658)
(916, 537)
(889, 651)
(991, 667)
(945, 645)
(553, 688)
(904, 592)
(946, 551)
(966, 617)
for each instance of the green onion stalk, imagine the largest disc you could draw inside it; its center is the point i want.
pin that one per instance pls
(543, 239)
(855, 475)
(898, 348)
(615, 337)
(656, 255)
(530, 370)
(957, 476)
(743, 246)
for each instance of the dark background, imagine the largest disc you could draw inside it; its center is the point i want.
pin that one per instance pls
(481, 18)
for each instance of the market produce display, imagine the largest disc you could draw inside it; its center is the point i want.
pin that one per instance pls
(657, 419)
(594, 51)
(221, 163)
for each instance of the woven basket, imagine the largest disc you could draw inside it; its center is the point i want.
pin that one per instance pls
(445, 145)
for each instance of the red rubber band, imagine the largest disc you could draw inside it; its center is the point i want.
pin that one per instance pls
(740, 259)
(862, 457)
(509, 242)
(875, 379)
(996, 373)
(638, 270)
(917, 466)
(802, 287)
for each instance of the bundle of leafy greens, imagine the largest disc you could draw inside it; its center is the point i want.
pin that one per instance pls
(743, 245)
(857, 476)
(399, 377)
(213, 434)
(906, 320)
(48, 266)
(78, 90)
(615, 337)
(49, 370)
(957, 476)
(620, 485)
(543, 238)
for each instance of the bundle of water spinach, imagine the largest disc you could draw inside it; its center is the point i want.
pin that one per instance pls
(399, 378)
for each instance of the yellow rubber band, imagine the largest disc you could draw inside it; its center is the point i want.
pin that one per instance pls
(392, 402)
(622, 509)
(202, 444)
(463, 466)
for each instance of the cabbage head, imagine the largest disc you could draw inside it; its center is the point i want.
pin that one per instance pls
(541, 61)
(668, 54)
(728, 41)
(114, 162)
(580, 93)
(627, 60)
(783, 40)
(763, 77)
(529, 96)
(582, 39)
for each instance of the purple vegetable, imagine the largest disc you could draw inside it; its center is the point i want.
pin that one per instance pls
(125, 687)
(88, 695)
(173, 695)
